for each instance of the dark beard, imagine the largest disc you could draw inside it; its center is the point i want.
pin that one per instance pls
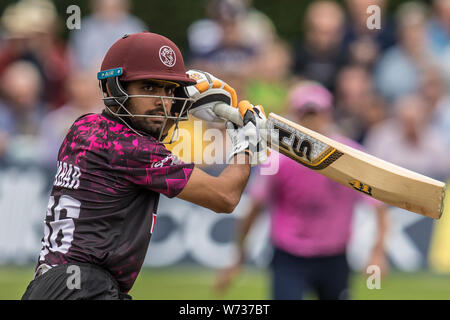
(136, 124)
(139, 124)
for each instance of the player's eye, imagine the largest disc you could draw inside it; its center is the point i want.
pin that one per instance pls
(170, 91)
(149, 88)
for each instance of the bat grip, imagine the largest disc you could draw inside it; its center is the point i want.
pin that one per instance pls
(227, 112)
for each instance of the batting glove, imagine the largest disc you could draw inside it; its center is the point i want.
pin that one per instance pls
(240, 143)
(249, 138)
(208, 91)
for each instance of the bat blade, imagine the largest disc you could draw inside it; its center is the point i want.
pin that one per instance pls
(353, 168)
(365, 173)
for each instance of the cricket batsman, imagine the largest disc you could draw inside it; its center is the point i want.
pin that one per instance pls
(112, 168)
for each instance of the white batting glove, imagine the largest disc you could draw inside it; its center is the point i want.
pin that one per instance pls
(252, 132)
(208, 91)
(241, 143)
(262, 152)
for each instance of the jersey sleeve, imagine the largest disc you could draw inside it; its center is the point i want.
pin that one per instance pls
(152, 166)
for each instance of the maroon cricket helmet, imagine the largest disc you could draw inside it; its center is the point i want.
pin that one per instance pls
(147, 55)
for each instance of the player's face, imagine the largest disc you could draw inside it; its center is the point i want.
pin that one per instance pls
(152, 106)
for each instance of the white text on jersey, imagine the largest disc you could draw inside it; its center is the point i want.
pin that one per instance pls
(67, 176)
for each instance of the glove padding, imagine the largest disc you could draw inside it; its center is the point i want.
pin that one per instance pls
(240, 142)
(249, 138)
(208, 91)
(262, 152)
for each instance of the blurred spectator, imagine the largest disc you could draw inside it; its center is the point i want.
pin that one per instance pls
(84, 97)
(439, 27)
(206, 35)
(110, 20)
(366, 44)
(439, 35)
(409, 141)
(357, 106)
(320, 56)
(21, 110)
(229, 42)
(269, 84)
(398, 71)
(230, 51)
(437, 100)
(232, 55)
(257, 28)
(31, 33)
(232, 61)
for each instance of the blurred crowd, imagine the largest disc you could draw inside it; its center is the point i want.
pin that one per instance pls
(391, 85)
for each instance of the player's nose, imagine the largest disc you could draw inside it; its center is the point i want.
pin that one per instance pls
(167, 102)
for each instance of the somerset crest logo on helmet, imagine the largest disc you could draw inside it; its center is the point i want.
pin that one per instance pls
(167, 56)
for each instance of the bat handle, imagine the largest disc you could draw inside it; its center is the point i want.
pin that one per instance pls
(227, 112)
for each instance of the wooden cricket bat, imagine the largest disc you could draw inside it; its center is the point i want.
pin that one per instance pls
(365, 173)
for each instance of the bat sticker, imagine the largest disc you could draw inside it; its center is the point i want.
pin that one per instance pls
(359, 186)
(300, 147)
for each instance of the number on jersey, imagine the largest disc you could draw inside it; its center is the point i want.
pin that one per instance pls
(59, 224)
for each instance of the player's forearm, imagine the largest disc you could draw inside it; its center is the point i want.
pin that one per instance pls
(220, 194)
(233, 180)
(223, 193)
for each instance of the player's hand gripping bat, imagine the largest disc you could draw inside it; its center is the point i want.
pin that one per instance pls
(377, 178)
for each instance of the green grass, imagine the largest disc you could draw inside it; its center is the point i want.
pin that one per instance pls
(189, 282)
(13, 281)
(405, 286)
(197, 283)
